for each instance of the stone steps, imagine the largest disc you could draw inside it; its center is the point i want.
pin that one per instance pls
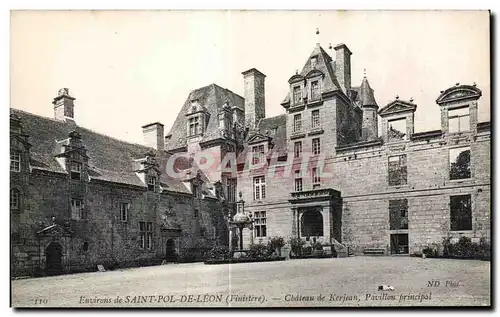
(374, 251)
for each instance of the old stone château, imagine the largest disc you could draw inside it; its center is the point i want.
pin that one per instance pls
(320, 172)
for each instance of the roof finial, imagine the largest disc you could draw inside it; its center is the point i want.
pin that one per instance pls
(296, 72)
(411, 99)
(397, 97)
(330, 47)
(364, 72)
(317, 36)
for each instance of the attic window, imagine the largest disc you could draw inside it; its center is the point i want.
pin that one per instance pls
(314, 61)
(397, 129)
(194, 126)
(76, 170)
(297, 95)
(151, 183)
(315, 94)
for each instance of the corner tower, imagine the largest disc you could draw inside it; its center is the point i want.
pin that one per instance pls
(369, 129)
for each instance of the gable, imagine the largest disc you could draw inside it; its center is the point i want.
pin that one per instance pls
(258, 138)
(397, 106)
(55, 230)
(459, 92)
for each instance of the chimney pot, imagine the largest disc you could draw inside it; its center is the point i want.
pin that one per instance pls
(64, 105)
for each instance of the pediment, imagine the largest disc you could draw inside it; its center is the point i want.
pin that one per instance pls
(460, 92)
(55, 230)
(315, 73)
(258, 138)
(295, 78)
(397, 106)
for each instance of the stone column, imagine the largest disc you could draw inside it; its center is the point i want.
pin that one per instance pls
(325, 212)
(294, 221)
(230, 239)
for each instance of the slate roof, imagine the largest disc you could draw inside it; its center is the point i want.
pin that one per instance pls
(366, 96)
(212, 97)
(110, 159)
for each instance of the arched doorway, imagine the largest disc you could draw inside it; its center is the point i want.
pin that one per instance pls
(53, 259)
(170, 253)
(312, 224)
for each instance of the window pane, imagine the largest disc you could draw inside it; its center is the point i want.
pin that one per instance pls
(464, 123)
(458, 112)
(453, 125)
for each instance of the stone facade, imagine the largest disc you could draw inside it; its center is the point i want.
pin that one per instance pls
(354, 193)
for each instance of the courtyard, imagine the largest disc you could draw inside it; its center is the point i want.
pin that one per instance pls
(352, 281)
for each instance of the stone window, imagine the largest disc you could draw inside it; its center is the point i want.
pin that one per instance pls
(298, 181)
(15, 199)
(315, 123)
(397, 170)
(151, 183)
(297, 95)
(77, 209)
(460, 212)
(124, 208)
(15, 161)
(76, 170)
(258, 154)
(398, 214)
(231, 190)
(259, 187)
(194, 126)
(146, 235)
(196, 191)
(315, 93)
(259, 224)
(297, 122)
(316, 146)
(297, 149)
(460, 163)
(316, 179)
(196, 212)
(458, 120)
(396, 130)
(85, 246)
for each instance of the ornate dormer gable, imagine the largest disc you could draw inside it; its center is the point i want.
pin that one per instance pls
(297, 90)
(73, 157)
(197, 119)
(149, 172)
(260, 138)
(314, 83)
(459, 108)
(225, 115)
(398, 120)
(196, 183)
(459, 93)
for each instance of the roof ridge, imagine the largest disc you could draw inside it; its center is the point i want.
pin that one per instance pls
(80, 127)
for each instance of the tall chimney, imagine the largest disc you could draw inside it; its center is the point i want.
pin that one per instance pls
(255, 103)
(343, 67)
(154, 135)
(64, 105)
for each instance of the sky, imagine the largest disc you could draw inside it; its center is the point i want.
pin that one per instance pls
(130, 68)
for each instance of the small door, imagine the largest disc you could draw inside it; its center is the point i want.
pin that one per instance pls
(170, 254)
(53, 259)
(399, 243)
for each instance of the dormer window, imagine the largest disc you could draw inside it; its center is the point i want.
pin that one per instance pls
(15, 161)
(194, 126)
(458, 120)
(258, 154)
(315, 92)
(196, 191)
(151, 183)
(76, 170)
(397, 129)
(297, 95)
(314, 61)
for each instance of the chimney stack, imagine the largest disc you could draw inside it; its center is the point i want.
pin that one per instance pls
(343, 67)
(64, 105)
(255, 103)
(154, 135)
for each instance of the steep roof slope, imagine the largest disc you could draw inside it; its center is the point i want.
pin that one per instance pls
(211, 97)
(110, 159)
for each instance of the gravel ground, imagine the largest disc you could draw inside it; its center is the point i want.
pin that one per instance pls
(350, 281)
